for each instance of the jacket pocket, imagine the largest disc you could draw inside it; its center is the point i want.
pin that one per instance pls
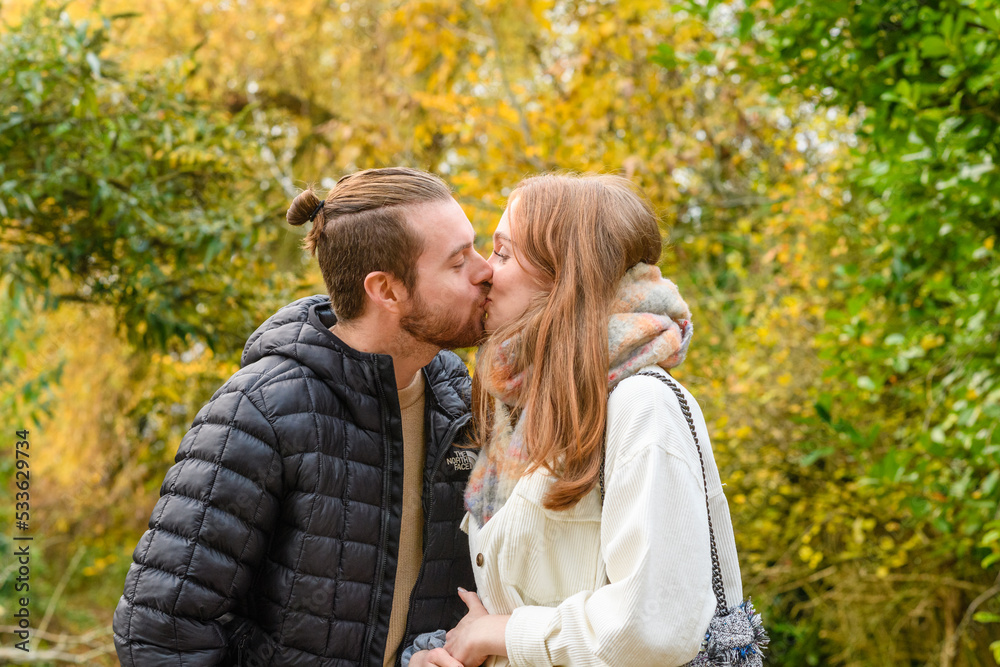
(236, 629)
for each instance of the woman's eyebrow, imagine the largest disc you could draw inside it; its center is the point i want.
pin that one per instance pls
(503, 237)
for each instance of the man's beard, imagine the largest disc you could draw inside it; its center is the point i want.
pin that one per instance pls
(444, 329)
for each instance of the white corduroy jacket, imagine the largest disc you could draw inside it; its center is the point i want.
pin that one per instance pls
(629, 583)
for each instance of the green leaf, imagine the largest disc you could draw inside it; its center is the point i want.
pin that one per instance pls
(857, 303)
(665, 56)
(948, 25)
(989, 485)
(990, 18)
(95, 64)
(866, 383)
(924, 154)
(815, 455)
(746, 26)
(934, 46)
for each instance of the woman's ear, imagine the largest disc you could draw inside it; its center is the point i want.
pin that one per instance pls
(386, 291)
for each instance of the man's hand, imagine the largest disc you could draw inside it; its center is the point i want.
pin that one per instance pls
(437, 657)
(478, 635)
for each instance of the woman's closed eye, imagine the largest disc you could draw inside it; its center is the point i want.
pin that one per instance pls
(500, 252)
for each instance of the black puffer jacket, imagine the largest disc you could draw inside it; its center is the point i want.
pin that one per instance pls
(275, 538)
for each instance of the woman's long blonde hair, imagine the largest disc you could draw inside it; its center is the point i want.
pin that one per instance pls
(582, 233)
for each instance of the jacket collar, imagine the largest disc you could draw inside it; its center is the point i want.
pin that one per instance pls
(301, 331)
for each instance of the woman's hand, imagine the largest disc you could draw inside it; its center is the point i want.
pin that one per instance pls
(478, 635)
(437, 657)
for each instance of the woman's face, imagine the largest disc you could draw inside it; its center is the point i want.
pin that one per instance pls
(515, 281)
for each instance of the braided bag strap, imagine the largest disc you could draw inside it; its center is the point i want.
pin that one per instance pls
(717, 586)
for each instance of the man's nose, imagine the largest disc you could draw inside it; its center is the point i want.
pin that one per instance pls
(483, 271)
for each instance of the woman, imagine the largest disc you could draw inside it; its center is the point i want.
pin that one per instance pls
(587, 514)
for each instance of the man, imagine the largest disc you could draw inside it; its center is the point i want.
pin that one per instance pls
(312, 515)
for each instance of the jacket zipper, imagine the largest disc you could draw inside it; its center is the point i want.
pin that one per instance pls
(383, 538)
(445, 446)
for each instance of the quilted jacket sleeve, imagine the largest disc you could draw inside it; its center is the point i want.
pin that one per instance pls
(206, 537)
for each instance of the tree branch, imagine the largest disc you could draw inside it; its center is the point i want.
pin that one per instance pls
(951, 645)
(505, 81)
(72, 649)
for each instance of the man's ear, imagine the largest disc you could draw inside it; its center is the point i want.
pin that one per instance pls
(386, 291)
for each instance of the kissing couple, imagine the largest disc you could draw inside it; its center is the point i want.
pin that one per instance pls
(351, 497)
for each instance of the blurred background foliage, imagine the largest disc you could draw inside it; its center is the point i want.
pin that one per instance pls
(826, 173)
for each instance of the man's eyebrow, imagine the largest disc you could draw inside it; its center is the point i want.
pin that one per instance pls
(459, 250)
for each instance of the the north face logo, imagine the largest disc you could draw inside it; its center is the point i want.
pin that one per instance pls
(462, 460)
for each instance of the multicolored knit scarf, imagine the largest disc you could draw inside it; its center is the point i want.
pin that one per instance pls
(650, 324)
